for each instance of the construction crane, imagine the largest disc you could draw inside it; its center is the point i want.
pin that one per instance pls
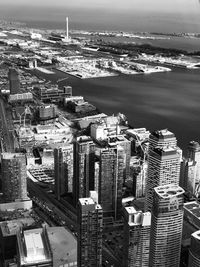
(26, 111)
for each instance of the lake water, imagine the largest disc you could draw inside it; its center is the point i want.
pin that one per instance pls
(155, 101)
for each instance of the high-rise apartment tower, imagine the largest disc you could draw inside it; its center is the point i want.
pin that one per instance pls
(63, 170)
(14, 184)
(90, 223)
(14, 82)
(136, 238)
(84, 162)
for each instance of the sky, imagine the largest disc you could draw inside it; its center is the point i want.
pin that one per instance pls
(140, 15)
(146, 5)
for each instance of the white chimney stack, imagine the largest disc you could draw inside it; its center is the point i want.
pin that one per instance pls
(67, 29)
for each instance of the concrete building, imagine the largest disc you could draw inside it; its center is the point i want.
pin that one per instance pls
(122, 141)
(112, 164)
(63, 170)
(189, 177)
(138, 174)
(84, 167)
(63, 246)
(139, 138)
(166, 226)
(163, 168)
(136, 238)
(21, 98)
(105, 127)
(90, 225)
(49, 93)
(14, 185)
(14, 82)
(192, 213)
(68, 91)
(194, 155)
(47, 113)
(8, 235)
(194, 253)
(34, 248)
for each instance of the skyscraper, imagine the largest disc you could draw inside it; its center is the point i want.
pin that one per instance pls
(14, 184)
(84, 162)
(193, 153)
(90, 222)
(63, 170)
(192, 167)
(188, 180)
(166, 226)
(162, 138)
(14, 82)
(136, 238)
(112, 163)
(120, 140)
(194, 253)
(163, 168)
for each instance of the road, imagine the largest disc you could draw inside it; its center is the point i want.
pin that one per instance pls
(7, 142)
(52, 206)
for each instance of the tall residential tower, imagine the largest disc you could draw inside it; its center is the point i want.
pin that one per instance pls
(63, 170)
(84, 167)
(90, 225)
(14, 82)
(14, 184)
(136, 238)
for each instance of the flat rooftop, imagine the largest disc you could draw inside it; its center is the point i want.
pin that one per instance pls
(84, 138)
(63, 246)
(131, 210)
(34, 247)
(169, 191)
(117, 138)
(194, 208)
(165, 151)
(8, 155)
(86, 201)
(9, 228)
(162, 134)
(89, 204)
